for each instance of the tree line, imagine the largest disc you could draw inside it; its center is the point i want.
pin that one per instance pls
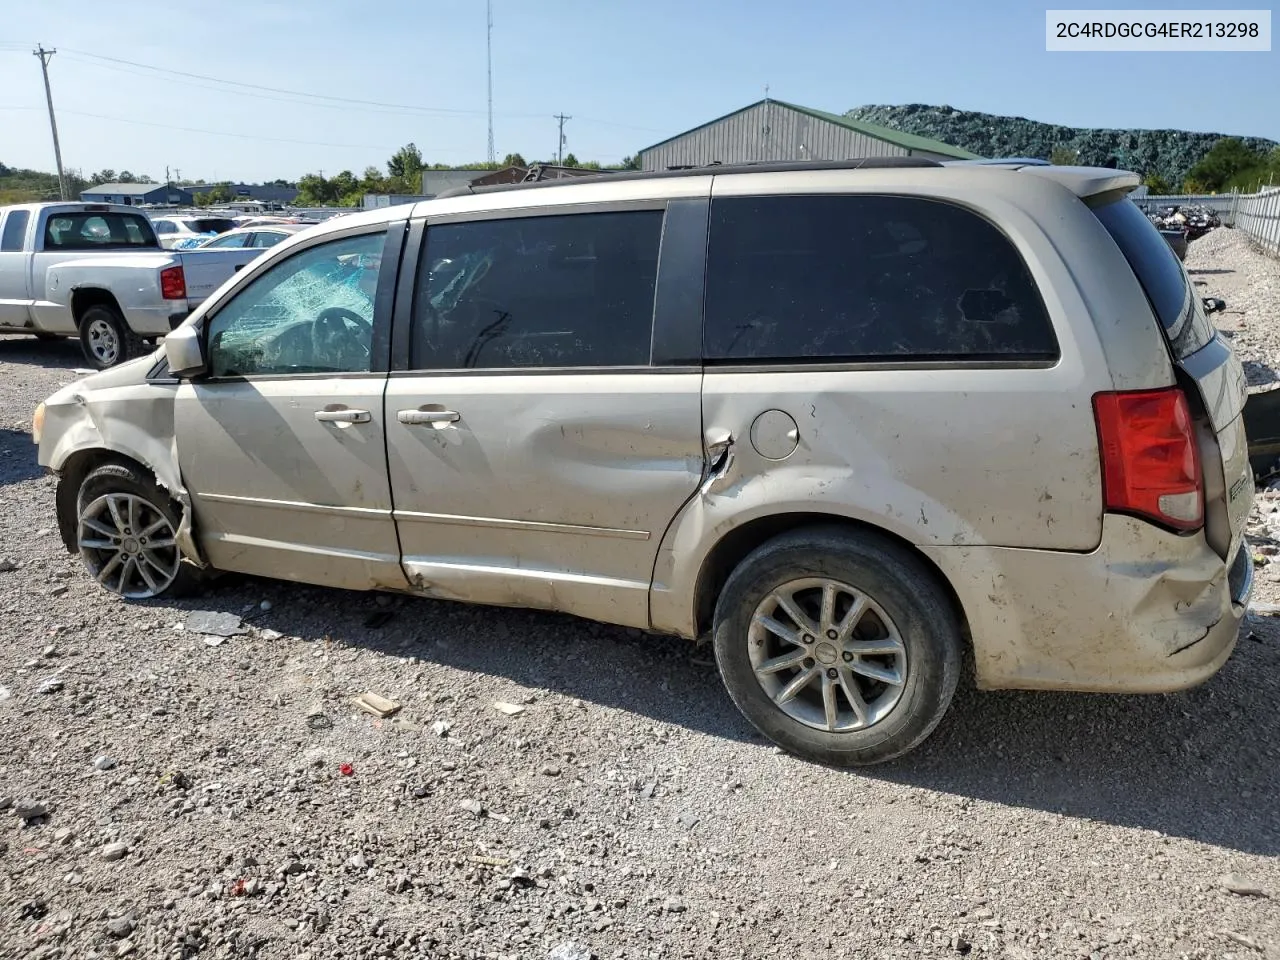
(1229, 165)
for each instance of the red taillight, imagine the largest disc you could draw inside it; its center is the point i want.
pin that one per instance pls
(1150, 461)
(173, 283)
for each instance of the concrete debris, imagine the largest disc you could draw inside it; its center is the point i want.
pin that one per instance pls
(215, 623)
(52, 685)
(1241, 886)
(104, 763)
(30, 810)
(569, 950)
(510, 709)
(474, 807)
(377, 705)
(441, 728)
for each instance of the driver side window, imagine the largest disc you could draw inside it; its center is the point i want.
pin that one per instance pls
(309, 313)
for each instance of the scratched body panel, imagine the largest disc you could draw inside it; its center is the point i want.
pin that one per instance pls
(278, 493)
(1147, 611)
(549, 490)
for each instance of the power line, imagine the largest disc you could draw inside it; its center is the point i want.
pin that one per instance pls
(214, 133)
(45, 56)
(311, 98)
(294, 93)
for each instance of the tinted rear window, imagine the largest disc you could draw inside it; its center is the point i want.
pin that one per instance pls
(210, 225)
(15, 229)
(1161, 275)
(98, 231)
(814, 278)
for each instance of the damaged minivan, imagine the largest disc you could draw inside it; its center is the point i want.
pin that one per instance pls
(855, 424)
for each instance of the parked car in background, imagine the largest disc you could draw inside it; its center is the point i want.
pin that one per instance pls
(96, 271)
(255, 237)
(842, 420)
(181, 233)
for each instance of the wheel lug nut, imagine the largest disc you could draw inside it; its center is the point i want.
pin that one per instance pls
(848, 657)
(832, 635)
(808, 663)
(807, 639)
(831, 673)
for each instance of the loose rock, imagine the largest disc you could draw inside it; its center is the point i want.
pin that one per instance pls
(114, 851)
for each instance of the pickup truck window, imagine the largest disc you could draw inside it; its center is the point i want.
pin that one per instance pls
(15, 228)
(98, 231)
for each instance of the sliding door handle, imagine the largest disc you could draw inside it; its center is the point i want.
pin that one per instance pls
(412, 417)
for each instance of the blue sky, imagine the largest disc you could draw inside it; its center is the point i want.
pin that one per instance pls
(629, 74)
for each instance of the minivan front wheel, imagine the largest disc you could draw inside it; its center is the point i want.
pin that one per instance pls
(839, 647)
(126, 532)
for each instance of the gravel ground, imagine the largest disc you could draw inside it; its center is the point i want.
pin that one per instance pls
(228, 800)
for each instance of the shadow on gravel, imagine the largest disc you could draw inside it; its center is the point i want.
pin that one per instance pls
(1201, 764)
(17, 457)
(42, 353)
(1207, 272)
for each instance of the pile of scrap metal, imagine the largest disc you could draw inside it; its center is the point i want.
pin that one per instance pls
(1180, 225)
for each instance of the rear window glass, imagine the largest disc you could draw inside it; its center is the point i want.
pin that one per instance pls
(97, 231)
(1161, 275)
(816, 278)
(210, 225)
(15, 229)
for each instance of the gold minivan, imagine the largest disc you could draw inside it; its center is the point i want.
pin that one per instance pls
(843, 420)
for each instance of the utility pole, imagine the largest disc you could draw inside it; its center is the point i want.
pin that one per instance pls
(560, 150)
(45, 56)
(488, 48)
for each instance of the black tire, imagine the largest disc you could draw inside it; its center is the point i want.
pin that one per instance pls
(121, 478)
(905, 590)
(106, 339)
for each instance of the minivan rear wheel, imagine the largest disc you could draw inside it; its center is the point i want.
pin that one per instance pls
(839, 647)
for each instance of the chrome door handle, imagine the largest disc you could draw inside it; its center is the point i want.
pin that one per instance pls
(344, 416)
(427, 416)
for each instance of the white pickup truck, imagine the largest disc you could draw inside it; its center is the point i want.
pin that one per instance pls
(98, 272)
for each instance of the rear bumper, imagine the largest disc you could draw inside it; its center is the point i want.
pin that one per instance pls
(1146, 612)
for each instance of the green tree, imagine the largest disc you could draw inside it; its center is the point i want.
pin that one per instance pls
(513, 160)
(315, 191)
(1228, 163)
(571, 161)
(1064, 156)
(1157, 184)
(103, 176)
(405, 168)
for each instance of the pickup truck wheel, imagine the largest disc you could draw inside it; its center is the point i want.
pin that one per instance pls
(107, 339)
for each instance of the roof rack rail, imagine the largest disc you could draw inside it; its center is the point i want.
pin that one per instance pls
(716, 167)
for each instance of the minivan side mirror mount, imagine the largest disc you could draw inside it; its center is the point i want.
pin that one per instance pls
(184, 349)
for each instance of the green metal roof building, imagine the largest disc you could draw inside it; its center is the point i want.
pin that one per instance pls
(775, 130)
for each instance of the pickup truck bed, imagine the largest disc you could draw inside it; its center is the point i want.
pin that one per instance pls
(97, 271)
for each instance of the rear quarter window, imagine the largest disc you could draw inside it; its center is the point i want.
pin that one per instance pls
(866, 278)
(1161, 274)
(97, 231)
